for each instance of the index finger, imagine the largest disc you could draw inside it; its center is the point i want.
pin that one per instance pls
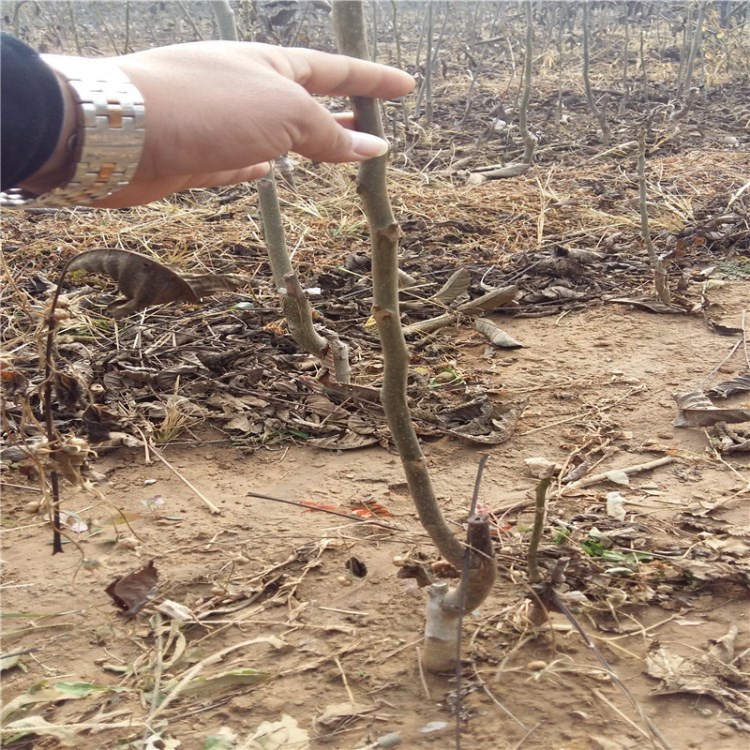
(340, 75)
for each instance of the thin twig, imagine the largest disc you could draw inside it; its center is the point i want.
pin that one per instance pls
(635, 469)
(344, 680)
(421, 675)
(331, 511)
(540, 508)
(522, 742)
(464, 585)
(184, 480)
(157, 672)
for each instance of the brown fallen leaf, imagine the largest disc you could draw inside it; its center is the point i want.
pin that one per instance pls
(481, 421)
(456, 285)
(695, 409)
(740, 384)
(709, 674)
(646, 303)
(496, 336)
(134, 590)
(144, 282)
(338, 715)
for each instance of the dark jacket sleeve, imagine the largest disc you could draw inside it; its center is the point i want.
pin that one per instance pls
(31, 114)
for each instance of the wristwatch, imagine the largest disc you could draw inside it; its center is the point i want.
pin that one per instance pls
(108, 143)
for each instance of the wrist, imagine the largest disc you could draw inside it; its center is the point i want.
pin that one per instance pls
(60, 166)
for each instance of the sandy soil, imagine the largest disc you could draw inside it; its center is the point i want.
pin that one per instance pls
(312, 601)
(342, 639)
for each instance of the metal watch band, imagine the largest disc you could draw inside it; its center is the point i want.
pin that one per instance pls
(110, 142)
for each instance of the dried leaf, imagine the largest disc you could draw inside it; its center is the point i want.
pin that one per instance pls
(509, 170)
(496, 336)
(618, 477)
(157, 742)
(143, 282)
(702, 675)
(175, 611)
(694, 409)
(739, 384)
(38, 725)
(343, 442)
(538, 467)
(134, 590)
(581, 255)
(223, 739)
(561, 292)
(616, 505)
(206, 284)
(729, 440)
(10, 661)
(456, 285)
(232, 678)
(239, 424)
(337, 714)
(481, 421)
(646, 303)
(279, 735)
(490, 301)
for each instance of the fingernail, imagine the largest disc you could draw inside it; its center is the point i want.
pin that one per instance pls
(368, 146)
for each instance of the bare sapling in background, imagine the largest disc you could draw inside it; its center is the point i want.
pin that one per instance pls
(328, 348)
(446, 605)
(596, 110)
(529, 139)
(657, 264)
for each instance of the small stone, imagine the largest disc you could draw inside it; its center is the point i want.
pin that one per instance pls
(388, 740)
(536, 666)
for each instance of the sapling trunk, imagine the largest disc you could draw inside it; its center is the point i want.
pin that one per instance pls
(74, 26)
(642, 61)
(695, 43)
(529, 140)
(598, 113)
(329, 349)
(625, 62)
(399, 64)
(425, 90)
(126, 24)
(441, 635)
(477, 70)
(560, 63)
(657, 265)
(273, 230)
(224, 16)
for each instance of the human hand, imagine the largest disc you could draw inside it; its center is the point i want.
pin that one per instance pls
(216, 112)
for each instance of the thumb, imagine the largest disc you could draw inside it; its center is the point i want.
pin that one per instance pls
(366, 146)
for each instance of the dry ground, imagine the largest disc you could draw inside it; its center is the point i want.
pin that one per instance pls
(261, 569)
